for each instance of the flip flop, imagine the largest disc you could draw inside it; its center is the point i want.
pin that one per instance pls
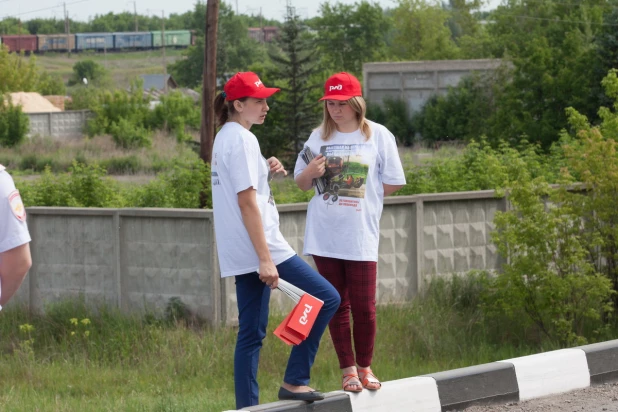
(311, 396)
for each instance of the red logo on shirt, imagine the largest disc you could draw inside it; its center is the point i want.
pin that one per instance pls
(17, 206)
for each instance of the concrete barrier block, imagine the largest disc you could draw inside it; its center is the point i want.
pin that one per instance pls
(482, 384)
(419, 394)
(551, 373)
(333, 402)
(602, 361)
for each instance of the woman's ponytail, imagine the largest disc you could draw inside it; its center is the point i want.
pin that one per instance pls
(221, 109)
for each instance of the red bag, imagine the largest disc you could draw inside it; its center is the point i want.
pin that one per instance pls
(297, 325)
(304, 315)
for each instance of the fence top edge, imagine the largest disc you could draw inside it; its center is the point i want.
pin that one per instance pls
(136, 212)
(435, 64)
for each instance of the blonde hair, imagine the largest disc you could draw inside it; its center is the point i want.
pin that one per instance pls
(358, 104)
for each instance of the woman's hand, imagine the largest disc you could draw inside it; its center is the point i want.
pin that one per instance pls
(268, 274)
(316, 168)
(276, 166)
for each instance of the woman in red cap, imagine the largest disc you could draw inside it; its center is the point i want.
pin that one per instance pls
(359, 163)
(250, 245)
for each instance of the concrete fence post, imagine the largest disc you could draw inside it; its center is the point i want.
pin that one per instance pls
(49, 123)
(116, 257)
(420, 248)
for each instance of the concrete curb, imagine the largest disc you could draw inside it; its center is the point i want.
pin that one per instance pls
(489, 383)
(510, 380)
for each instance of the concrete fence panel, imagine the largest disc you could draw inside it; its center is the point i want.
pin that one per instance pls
(138, 259)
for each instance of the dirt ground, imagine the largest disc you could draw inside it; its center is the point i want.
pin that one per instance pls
(594, 399)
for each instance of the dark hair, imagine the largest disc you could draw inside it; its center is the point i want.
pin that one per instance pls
(224, 109)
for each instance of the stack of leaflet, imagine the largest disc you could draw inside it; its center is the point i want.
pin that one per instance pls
(320, 182)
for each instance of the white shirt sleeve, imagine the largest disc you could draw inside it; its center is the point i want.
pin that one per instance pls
(243, 164)
(300, 163)
(391, 169)
(13, 230)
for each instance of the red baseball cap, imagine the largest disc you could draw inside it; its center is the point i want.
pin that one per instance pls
(247, 84)
(342, 86)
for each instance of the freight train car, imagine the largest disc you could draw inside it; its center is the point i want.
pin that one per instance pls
(55, 42)
(94, 41)
(134, 40)
(173, 38)
(18, 43)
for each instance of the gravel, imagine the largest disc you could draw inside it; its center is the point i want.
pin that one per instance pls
(593, 399)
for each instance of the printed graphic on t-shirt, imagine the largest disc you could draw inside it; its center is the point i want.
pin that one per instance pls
(346, 171)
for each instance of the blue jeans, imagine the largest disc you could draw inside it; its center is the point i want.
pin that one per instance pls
(253, 296)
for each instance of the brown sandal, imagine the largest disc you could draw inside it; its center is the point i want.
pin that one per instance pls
(368, 378)
(347, 377)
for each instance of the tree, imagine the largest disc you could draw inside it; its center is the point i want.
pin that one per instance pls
(90, 70)
(551, 46)
(295, 66)
(350, 35)
(17, 73)
(422, 32)
(12, 25)
(235, 50)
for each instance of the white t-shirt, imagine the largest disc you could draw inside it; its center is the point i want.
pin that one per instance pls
(13, 227)
(237, 164)
(344, 222)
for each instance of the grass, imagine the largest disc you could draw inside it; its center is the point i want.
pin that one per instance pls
(31, 157)
(123, 66)
(156, 364)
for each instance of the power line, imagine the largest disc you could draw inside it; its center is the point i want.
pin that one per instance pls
(555, 20)
(45, 9)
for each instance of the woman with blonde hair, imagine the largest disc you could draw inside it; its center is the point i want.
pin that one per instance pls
(359, 164)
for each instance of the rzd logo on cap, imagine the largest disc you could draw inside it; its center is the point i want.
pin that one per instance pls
(338, 87)
(258, 83)
(303, 319)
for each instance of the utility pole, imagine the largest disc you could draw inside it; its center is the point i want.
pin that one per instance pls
(67, 30)
(262, 28)
(135, 15)
(209, 83)
(163, 47)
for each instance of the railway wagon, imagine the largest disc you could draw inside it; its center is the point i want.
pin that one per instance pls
(94, 41)
(133, 40)
(173, 38)
(55, 42)
(17, 43)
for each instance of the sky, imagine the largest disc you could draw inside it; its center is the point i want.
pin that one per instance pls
(82, 10)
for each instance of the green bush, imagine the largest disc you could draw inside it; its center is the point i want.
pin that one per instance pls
(93, 72)
(112, 107)
(547, 282)
(122, 165)
(481, 167)
(394, 114)
(83, 98)
(37, 163)
(14, 124)
(51, 84)
(178, 187)
(174, 113)
(462, 114)
(129, 135)
(83, 186)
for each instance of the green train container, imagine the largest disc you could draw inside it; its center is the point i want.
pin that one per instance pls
(173, 38)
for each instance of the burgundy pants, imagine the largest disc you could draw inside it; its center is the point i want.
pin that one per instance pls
(356, 283)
